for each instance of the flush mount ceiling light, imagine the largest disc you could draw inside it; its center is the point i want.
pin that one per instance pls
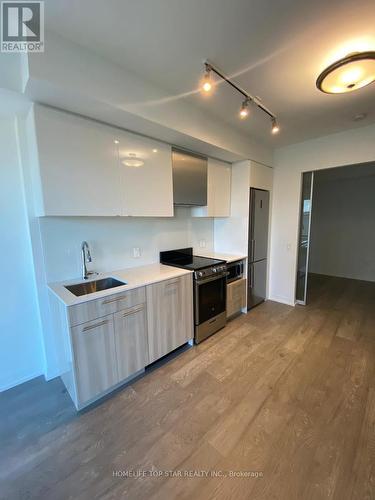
(207, 86)
(132, 161)
(348, 74)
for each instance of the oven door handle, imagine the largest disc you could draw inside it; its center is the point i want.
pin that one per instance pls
(213, 278)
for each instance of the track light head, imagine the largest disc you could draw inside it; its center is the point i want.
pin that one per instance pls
(244, 111)
(207, 82)
(275, 127)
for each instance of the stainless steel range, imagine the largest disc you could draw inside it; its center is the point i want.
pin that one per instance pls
(210, 289)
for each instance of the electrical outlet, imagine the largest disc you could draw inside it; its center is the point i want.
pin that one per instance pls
(136, 252)
(202, 243)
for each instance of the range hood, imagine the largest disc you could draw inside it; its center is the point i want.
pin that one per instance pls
(189, 178)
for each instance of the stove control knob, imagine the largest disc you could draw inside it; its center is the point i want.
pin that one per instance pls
(214, 270)
(200, 274)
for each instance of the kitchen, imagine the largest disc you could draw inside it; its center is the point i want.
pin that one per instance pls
(201, 297)
(151, 189)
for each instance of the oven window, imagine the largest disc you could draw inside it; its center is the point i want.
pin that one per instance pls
(211, 299)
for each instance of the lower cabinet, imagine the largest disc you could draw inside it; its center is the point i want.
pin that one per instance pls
(94, 353)
(131, 341)
(131, 330)
(236, 297)
(111, 348)
(170, 315)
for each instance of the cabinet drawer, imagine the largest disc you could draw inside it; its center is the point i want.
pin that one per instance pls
(81, 313)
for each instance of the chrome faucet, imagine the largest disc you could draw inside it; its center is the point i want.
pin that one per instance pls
(86, 257)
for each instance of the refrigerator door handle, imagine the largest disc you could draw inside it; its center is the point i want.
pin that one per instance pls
(252, 275)
(252, 257)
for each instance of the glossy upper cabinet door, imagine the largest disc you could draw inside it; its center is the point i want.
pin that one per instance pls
(147, 189)
(218, 191)
(76, 165)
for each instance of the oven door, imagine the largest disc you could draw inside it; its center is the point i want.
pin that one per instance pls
(210, 297)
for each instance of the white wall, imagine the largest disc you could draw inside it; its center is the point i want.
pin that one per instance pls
(112, 240)
(343, 228)
(21, 353)
(344, 148)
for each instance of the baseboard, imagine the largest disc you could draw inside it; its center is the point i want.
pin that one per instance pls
(282, 300)
(20, 380)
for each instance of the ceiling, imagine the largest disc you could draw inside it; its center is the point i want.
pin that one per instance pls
(273, 48)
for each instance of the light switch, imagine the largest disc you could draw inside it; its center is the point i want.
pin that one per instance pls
(136, 252)
(202, 243)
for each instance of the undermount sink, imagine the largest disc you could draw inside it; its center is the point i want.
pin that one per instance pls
(94, 286)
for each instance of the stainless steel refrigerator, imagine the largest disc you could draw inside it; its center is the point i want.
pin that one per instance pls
(258, 246)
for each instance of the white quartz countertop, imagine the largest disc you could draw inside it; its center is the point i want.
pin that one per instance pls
(134, 277)
(229, 257)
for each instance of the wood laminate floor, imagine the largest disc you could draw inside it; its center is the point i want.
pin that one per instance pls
(286, 394)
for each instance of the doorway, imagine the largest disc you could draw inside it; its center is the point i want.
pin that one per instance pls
(336, 229)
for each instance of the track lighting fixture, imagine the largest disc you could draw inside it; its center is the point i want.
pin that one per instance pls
(244, 110)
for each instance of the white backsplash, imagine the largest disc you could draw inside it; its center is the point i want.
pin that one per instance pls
(112, 241)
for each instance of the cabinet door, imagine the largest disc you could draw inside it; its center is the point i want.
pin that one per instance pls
(77, 165)
(218, 191)
(94, 357)
(147, 190)
(131, 341)
(169, 315)
(236, 297)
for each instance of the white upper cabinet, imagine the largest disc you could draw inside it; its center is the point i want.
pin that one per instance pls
(79, 168)
(218, 191)
(76, 167)
(146, 173)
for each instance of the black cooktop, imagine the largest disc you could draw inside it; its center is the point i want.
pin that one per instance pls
(184, 258)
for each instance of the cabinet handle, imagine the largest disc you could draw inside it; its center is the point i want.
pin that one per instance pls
(109, 301)
(133, 311)
(91, 327)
